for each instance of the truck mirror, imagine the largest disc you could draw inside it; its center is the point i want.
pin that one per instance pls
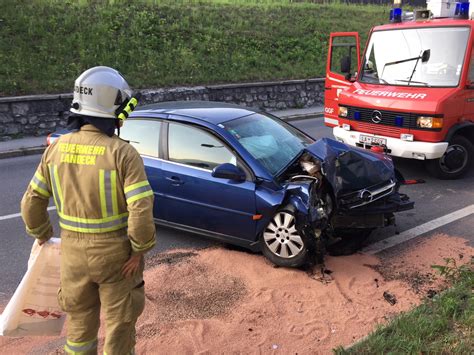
(346, 65)
(426, 55)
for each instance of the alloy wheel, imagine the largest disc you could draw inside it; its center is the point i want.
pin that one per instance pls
(281, 236)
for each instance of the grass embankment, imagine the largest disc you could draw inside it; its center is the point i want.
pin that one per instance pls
(45, 45)
(442, 325)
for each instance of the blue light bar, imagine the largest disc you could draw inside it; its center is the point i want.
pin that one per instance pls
(396, 15)
(357, 115)
(462, 10)
(399, 121)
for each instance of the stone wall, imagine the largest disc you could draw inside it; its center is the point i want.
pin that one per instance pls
(39, 115)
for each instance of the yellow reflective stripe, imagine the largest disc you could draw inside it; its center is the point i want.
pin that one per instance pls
(80, 348)
(93, 230)
(92, 220)
(54, 188)
(81, 343)
(140, 196)
(136, 186)
(113, 178)
(132, 352)
(103, 204)
(138, 247)
(58, 185)
(95, 224)
(40, 178)
(38, 231)
(39, 189)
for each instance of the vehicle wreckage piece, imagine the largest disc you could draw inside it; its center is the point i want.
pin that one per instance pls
(342, 193)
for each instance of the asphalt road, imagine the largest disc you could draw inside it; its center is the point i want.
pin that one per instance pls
(432, 200)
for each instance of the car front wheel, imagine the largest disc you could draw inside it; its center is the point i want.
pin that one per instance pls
(281, 242)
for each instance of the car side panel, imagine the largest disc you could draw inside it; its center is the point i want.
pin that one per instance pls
(194, 198)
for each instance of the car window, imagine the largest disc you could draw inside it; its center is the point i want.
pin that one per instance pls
(195, 147)
(144, 135)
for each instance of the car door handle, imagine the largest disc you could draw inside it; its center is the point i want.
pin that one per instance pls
(175, 181)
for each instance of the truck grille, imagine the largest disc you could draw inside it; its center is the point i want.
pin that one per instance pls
(376, 129)
(388, 118)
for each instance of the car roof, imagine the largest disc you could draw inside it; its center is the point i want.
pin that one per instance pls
(209, 111)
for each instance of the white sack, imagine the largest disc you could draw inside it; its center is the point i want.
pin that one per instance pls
(34, 308)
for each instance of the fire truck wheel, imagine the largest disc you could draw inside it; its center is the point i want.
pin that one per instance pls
(455, 162)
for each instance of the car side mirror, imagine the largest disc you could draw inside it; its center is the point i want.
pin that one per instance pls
(228, 171)
(469, 84)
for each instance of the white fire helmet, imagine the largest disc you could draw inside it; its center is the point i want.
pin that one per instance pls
(99, 92)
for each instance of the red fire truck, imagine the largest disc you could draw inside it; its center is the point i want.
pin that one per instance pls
(412, 93)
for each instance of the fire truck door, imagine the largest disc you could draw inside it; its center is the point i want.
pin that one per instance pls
(343, 46)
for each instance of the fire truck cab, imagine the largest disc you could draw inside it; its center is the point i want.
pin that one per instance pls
(412, 92)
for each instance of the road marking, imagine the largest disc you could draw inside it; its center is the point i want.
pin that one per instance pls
(15, 215)
(418, 230)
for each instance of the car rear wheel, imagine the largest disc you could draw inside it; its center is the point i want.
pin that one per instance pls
(455, 162)
(281, 242)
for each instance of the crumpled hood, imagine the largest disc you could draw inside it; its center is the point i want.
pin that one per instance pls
(351, 169)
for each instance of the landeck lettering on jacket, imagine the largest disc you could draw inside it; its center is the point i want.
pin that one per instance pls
(80, 154)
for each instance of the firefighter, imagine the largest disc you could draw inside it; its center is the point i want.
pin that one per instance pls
(104, 203)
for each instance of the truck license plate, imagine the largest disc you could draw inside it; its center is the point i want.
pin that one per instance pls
(372, 140)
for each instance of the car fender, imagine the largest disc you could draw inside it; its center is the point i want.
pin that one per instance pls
(293, 196)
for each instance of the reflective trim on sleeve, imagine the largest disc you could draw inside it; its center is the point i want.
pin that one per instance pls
(136, 186)
(57, 192)
(85, 347)
(138, 191)
(38, 231)
(141, 247)
(39, 184)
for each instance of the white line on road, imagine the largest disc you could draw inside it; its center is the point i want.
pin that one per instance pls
(418, 230)
(15, 215)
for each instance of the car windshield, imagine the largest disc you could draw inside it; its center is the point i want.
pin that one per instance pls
(431, 57)
(272, 142)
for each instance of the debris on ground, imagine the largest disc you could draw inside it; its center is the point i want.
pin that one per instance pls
(390, 298)
(168, 258)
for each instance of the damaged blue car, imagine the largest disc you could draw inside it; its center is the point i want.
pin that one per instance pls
(247, 178)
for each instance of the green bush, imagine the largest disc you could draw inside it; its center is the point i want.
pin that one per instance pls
(45, 45)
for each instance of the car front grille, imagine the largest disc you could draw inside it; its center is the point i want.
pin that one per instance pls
(368, 195)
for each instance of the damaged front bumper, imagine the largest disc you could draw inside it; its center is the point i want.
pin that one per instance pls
(358, 188)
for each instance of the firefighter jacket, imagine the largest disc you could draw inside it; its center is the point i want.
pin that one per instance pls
(98, 184)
